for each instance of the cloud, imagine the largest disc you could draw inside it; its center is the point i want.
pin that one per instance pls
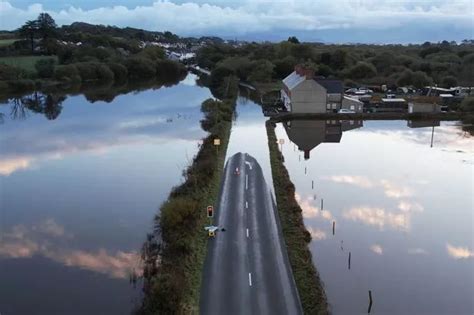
(392, 190)
(11, 165)
(39, 239)
(317, 234)
(310, 211)
(408, 206)
(257, 16)
(377, 249)
(459, 252)
(378, 217)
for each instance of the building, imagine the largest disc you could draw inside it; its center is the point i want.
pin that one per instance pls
(352, 104)
(423, 108)
(304, 93)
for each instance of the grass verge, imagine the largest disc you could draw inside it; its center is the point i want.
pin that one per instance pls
(174, 252)
(24, 62)
(310, 289)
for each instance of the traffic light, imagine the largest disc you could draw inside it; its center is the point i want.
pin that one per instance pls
(210, 211)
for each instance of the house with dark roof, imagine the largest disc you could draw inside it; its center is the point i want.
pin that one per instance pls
(303, 92)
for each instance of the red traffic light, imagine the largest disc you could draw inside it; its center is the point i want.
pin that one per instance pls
(210, 211)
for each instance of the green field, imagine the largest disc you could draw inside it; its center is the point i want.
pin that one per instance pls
(25, 62)
(7, 42)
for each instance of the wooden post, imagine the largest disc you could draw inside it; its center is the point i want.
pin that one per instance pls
(370, 301)
(305, 169)
(312, 184)
(333, 227)
(349, 261)
(322, 204)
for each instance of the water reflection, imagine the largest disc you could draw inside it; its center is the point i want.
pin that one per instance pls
(308, 134)
(402, 210)
(78, 191)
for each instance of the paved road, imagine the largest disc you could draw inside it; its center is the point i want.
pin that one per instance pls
(247, 269)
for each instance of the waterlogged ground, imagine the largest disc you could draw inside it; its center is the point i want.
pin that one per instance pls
(81, 181)
(402, 209)
(78, 193)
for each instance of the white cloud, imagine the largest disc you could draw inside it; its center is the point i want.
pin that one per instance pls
(379, 217)
(377, 249)
(408, 206)
(459, 252)
(360, 181)
(247, 16)
(39, 239)
(393, 190)
(310, 211)
(317, 234)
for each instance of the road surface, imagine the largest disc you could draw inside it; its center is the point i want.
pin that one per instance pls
(247, 269)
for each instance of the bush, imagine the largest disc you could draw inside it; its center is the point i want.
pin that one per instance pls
(21, 85)
(91, 71)
(67, 73)
(140, 68)
(45, 67)
(168, 68)
(8, 72)
(263, 72)
(120, 71)
(153, 53)
(467, 104)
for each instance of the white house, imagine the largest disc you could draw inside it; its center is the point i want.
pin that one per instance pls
(352, 104)
(304, 93)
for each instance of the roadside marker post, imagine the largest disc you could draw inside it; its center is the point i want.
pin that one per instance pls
(210, 211)
(217, 143)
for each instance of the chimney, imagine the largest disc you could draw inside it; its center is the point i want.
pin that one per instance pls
(303, 71)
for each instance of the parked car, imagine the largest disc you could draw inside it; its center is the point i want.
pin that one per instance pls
(346, 111)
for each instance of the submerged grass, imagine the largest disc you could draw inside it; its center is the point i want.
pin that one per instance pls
(175, 251)
(310, 288)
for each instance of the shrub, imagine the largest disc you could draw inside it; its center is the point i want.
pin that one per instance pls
(140, 68)
(45, 67)
(8, 72)
(418, 79)
(263, 72)
(120, 71)
(90, 71)
(21, 85)
(67, 73)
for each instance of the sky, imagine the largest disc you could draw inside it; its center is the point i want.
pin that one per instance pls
(331, 21)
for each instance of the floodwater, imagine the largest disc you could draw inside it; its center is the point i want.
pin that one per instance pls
(81, 180)
(401, 198)
(79, 187)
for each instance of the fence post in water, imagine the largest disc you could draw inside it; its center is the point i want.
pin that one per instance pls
(322, 204)
(370, 301)
(312, 184)
(305, 169)
(349, 261)
(333, 227)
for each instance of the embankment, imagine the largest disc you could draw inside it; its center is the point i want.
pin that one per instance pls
(297, 238)
(174, 252)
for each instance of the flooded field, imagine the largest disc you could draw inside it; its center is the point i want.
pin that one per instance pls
(400, 198)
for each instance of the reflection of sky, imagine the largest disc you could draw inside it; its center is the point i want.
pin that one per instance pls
(403, 210)
(81, 191)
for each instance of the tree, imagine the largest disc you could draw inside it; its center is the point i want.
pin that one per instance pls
(46, 25)
(29, 31)
(467, 104)
(418, 79)
(263, 72)
(362, 70)
(293, 39)
(449, 81)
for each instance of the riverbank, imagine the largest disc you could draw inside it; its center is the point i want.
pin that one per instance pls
(373, 116)
(174, 252)
(310, 288)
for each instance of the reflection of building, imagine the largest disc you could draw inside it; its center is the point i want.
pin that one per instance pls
(304, 93)
(353, 104)
(423, 123)
(308, 134)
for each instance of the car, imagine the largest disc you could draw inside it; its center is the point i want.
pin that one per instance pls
(237, 171)
(345, 111)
